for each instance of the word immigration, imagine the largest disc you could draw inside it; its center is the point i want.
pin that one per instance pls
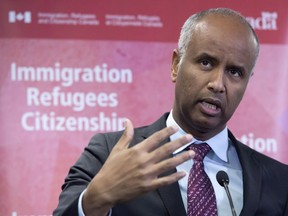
(67, 76)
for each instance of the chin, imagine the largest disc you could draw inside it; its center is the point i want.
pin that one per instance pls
(208, 125)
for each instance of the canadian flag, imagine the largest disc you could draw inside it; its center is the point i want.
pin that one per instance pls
(14, 17)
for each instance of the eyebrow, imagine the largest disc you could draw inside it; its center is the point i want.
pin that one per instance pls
(206, 56)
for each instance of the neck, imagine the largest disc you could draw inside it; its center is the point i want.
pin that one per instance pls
(198, 131)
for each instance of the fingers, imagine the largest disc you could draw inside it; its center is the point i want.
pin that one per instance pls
(152, 142)
(160, 161)
(167, 180)
(152, 157)
(167, 149)
(166, 165)
(172, 163)
(127, 135)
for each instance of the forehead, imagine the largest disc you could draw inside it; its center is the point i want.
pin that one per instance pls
(224, 36)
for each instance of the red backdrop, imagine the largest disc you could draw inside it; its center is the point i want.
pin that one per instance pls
(70, 69)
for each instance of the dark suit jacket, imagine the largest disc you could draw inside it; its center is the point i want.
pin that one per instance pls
(265, 181)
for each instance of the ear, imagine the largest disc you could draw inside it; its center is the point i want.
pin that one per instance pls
(174, 66)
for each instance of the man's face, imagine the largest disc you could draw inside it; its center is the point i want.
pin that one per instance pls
(212, 75)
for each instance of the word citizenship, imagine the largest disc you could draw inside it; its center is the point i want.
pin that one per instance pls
(37, 121)
(67, 76)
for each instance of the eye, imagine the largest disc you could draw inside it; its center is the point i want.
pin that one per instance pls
(235, 72)
(206, 64)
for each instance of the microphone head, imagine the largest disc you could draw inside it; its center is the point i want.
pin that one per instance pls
(222, 178)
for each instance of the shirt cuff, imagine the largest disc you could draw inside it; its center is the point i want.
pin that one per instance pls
(80, 208)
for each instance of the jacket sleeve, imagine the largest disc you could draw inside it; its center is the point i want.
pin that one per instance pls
(83, 171)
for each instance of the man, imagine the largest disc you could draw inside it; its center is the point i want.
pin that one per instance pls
(144, 171)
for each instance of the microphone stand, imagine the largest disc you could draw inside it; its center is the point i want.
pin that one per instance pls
(225, 185)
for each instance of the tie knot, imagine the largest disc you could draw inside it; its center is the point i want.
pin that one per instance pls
(201, 150)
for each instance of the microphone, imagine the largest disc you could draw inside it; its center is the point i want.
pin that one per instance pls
(223, 180)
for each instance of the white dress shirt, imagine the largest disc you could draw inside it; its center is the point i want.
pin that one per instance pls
(223, 157)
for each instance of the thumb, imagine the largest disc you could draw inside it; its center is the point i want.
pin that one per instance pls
(127, 135)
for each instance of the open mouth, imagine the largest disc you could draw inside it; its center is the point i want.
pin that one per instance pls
(211, 107)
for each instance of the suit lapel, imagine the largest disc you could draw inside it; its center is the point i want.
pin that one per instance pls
(170, 195)
(172, 198)
(252, 174)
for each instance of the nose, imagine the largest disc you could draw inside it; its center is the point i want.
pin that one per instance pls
(217, 82)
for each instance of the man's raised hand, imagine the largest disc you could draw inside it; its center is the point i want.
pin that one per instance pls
(131, 172)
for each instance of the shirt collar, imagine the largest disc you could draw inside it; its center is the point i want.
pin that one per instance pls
(218, 143)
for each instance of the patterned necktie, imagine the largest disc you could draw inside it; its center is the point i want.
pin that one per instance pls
(200, 193)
